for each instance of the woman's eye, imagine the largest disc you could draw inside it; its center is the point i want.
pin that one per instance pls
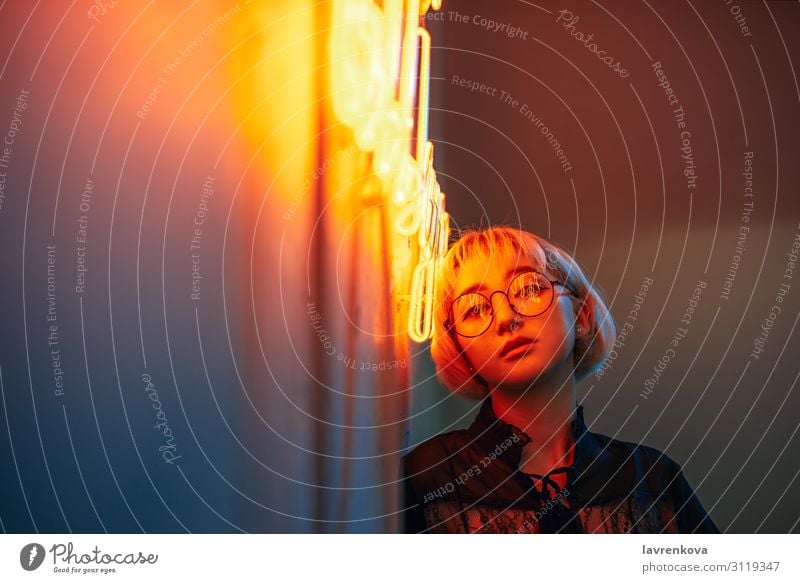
(530, 291)
(477, 311)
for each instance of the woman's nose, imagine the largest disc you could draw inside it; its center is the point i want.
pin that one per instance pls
(504, 314)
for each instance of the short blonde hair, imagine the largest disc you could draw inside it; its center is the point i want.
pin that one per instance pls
(495, 243)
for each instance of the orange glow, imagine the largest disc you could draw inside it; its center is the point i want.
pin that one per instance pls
(272, 82)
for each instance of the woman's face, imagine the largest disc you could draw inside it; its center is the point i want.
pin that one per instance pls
(549, 338)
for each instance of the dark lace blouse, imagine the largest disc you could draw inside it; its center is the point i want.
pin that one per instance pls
(468, 481)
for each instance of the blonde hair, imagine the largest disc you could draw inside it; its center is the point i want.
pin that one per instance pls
(493, 244)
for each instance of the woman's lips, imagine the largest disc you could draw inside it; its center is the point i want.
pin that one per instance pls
(519, 349)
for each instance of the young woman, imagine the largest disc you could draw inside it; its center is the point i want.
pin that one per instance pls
(517, 324)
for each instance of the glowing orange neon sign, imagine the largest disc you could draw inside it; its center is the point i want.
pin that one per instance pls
(375, 63)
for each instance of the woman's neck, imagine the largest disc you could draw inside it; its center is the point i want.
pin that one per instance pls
(544, 411)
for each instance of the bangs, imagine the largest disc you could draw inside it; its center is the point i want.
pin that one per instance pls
(490, 246)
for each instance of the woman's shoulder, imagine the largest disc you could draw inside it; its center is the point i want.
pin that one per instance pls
(435, 462)
(435, 451)
(628, 464)
(638, 453)
(654, 474)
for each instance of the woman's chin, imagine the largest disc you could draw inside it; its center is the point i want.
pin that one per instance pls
(519, 376)
(524, 373)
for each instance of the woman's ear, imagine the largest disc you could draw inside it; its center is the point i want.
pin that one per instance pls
(583, 318)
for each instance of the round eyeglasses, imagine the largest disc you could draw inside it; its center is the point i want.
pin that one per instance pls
(529, 294)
